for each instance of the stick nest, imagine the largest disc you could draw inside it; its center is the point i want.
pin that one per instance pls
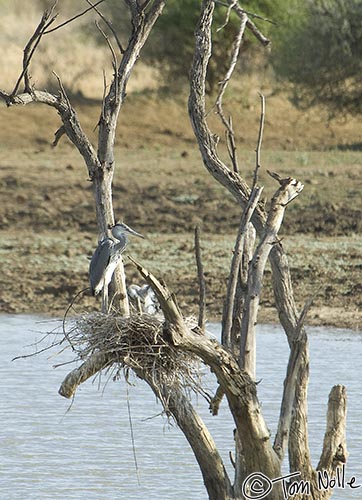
(138, 342)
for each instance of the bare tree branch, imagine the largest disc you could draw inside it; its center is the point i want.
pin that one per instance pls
(68, 21)
(227, 18)
(95, 363)
(248, 13)
(62, 90)
(231, 145)
(58, 134)
(334, 451)
(257, 33)
(288, 191)
(109, 24)
(238, 386)
(235, 266)
(201, 279)
(215, 477)
(30, 48)
(297, 363)
(298, 445)
(114, 61)
(282, 285)
(260, 140)
(251, 26)
(230, 137)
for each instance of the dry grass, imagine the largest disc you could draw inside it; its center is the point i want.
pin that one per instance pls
(68, 52)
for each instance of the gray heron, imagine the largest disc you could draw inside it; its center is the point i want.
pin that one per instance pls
(106, 258)
(145, 299)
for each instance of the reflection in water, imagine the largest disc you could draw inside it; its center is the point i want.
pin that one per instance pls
(51, 448)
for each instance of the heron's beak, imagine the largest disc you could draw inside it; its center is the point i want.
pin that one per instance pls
(134, 233)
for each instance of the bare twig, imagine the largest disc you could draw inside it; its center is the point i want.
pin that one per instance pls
(114, 57)
(258, 34)
(299, 328)
(216, 401)
(227, 18)
(145, 4)
(62, 90)
(30, 48)
(231, 145)
(251, 26)
(77, 16)
(275, 176)
(109, 24)
(58, 134)
(201, 279)
(249, 14)
(230, 136)
(260, 140)
(90, 367)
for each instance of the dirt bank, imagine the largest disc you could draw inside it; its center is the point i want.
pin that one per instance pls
(47, 222)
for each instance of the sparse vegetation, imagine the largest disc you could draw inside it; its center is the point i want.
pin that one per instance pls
(319, 51)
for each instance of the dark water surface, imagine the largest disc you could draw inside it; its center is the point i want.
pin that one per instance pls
(52, 449)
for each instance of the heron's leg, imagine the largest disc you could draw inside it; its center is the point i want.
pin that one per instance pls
(105, 299)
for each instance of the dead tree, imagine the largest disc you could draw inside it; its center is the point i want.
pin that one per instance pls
(100, 163)
(164, 351)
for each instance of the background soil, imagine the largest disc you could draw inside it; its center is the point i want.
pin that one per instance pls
(47, 216)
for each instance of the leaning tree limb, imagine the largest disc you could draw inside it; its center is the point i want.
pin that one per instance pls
(93, 364)
(216, 479)
(239, 388)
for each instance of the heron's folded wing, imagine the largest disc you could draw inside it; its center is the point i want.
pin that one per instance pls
(98, 264)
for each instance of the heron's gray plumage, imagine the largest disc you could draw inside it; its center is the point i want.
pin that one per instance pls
(144, 299)
(106, 258)
(98, 264)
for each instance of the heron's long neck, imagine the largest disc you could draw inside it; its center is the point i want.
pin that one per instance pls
(121, 245)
